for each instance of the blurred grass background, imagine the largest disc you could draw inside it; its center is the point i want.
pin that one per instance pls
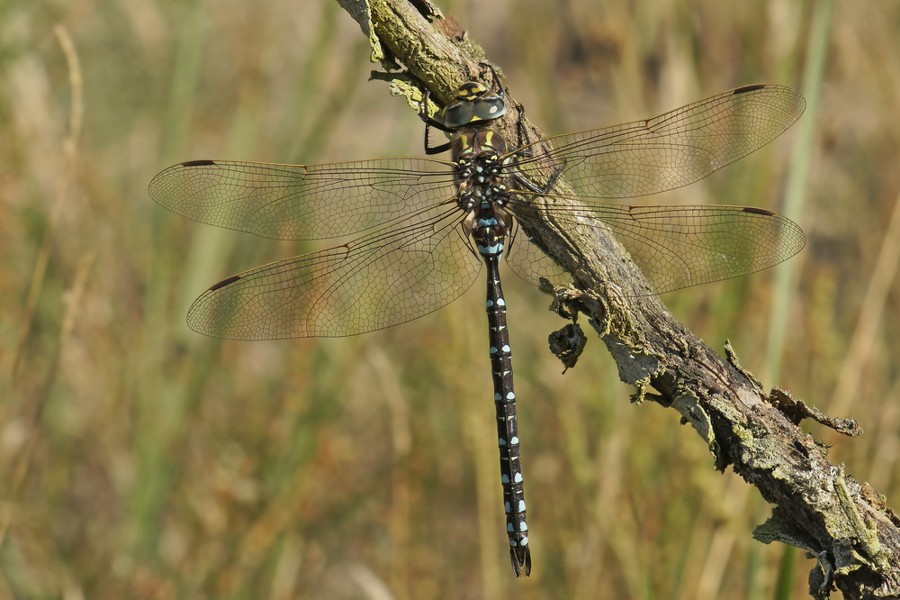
(139, 460)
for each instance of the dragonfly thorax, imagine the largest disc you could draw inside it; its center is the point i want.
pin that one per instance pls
(480, 169)
(480, 162)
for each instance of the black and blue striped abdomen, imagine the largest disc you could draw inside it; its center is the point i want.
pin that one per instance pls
(507, 421)
(489, 236)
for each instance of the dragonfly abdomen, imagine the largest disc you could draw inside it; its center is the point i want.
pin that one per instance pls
(507, 420)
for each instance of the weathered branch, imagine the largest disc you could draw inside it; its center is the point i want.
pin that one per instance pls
(844, 524)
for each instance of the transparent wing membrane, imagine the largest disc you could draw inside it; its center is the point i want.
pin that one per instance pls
(669, 151)
(300, 202)
(680, 246)
(394, 274)
(416, 255)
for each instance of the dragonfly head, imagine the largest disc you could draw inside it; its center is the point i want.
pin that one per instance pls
(472, 102)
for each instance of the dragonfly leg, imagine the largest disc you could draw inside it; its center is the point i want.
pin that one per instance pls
(524, 140)
(429, 123)
(524, 151)
(541, 190)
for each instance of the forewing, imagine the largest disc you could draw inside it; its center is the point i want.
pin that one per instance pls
(301, 202)
(671, 150)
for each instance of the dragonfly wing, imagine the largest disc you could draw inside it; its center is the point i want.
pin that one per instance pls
(671, 150)
(530, 262)
(392, 275)
(683, 246)
(301, 202)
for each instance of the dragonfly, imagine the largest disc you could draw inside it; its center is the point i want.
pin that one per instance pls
(426, 227)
